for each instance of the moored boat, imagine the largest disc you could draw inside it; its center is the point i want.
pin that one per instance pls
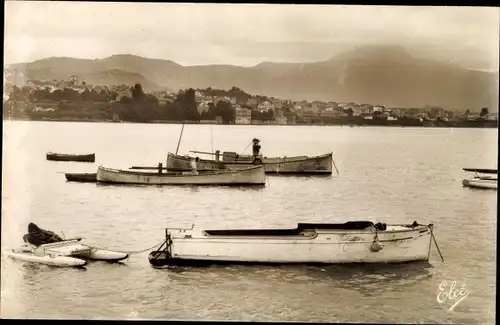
(253, 175)
(71, 157)
(81, 177)
(273, 165)
(331, 243)
(27, 255)
(481, 181)
(277, 165)
(46, 247)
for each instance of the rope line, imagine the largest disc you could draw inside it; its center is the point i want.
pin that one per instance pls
(131, 252)
(246, 148)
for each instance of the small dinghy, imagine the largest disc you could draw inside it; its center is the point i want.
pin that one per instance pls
(71, 157)
(46, 247)
(81, 177)
(481, 181)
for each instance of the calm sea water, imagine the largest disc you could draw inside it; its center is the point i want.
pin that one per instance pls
(391, 175)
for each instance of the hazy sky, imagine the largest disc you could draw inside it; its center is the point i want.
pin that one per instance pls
(192, 34)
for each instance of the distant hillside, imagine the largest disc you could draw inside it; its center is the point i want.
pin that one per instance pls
(115, 77)
(386, 75)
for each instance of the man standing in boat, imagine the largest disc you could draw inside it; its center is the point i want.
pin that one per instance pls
(256, 150)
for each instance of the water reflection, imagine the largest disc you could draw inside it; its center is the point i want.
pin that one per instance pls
(368, 279)
(185, 186)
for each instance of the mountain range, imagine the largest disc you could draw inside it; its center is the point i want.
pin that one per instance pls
(384, 75)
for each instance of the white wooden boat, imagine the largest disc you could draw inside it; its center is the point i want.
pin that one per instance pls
(27, 255)
(253, 175)
(351, 242)
(273, 165)
(45, 247)
(65, 253)
(481, 181)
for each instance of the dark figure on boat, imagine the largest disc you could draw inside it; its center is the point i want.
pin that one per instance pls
(160, 168)
(38, 236)
(256, 147)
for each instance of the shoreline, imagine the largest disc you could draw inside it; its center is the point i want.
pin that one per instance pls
(462, 125)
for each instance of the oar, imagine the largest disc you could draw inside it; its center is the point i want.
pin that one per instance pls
(435, 242)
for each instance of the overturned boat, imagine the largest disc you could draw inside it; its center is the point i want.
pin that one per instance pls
(71, 157)
(253, 175)
(308, 243)
(46, 247)
(321, 164)
(482, 178)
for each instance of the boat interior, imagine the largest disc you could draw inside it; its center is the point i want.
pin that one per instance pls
(350, 225)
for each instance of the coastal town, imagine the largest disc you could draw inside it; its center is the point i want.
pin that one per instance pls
(74, 100)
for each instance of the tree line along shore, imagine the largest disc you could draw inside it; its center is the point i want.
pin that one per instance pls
(215, 106)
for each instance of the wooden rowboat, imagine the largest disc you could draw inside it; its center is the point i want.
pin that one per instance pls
(81, 177)
(350, 242)
(71, 157)
(249, 176)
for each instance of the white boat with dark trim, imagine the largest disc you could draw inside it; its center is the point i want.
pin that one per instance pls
(253, 175)
(330, 243)
(273, 165)
(481, 181)
(46, 247)
(307, 165)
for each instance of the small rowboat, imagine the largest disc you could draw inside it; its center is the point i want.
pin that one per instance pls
(45, 247)
(350, 242)
(71, 157)
(82, 177)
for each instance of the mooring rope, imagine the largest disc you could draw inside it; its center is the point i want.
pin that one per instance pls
(131, 252)
(435, 242)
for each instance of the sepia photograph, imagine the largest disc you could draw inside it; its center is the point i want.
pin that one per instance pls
(249, 162)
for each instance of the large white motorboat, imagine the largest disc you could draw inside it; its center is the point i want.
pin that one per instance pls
(330, 243)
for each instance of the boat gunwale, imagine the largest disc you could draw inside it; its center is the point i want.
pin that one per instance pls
(297, 234)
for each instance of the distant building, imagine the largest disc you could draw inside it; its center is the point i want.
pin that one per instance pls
(243, 115)
(280, 119)
(265, 106)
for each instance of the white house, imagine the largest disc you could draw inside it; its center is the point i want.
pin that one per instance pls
(265, 106)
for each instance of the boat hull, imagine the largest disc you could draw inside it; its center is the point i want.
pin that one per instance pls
(52, 260)
(321, 246)
(69, 157)
(81, 177)
(273, 165)
(480, 183)
(103, 255)
(254, 175)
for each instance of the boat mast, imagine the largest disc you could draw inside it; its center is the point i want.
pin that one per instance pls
(179, 142)
(212, 139)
